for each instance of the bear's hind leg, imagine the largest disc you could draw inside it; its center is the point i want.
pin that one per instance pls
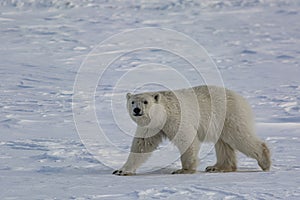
(265, 162)
(258, 150)
(226, 158)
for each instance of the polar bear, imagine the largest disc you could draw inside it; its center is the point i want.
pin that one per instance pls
(189, 117)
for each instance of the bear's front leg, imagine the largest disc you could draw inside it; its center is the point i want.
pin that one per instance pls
(133, 162)
(141, 150)
(189, 158)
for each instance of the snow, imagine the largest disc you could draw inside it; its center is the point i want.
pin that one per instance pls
(255, 45)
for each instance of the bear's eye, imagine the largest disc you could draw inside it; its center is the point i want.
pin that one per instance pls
(132, 102)
(145, 102)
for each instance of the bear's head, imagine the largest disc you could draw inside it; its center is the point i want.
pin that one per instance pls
(147, 110)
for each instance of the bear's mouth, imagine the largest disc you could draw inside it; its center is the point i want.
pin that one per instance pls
(137, 114)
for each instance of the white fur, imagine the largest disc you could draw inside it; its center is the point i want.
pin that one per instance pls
(188, 117)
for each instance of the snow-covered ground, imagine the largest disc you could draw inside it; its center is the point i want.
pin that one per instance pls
(255, 45)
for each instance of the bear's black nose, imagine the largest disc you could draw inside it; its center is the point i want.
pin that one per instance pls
(136, 111)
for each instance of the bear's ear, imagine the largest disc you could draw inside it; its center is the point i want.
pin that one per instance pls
(128, 95)
(156, 97)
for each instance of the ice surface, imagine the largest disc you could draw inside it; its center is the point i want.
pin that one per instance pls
(255, 45)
